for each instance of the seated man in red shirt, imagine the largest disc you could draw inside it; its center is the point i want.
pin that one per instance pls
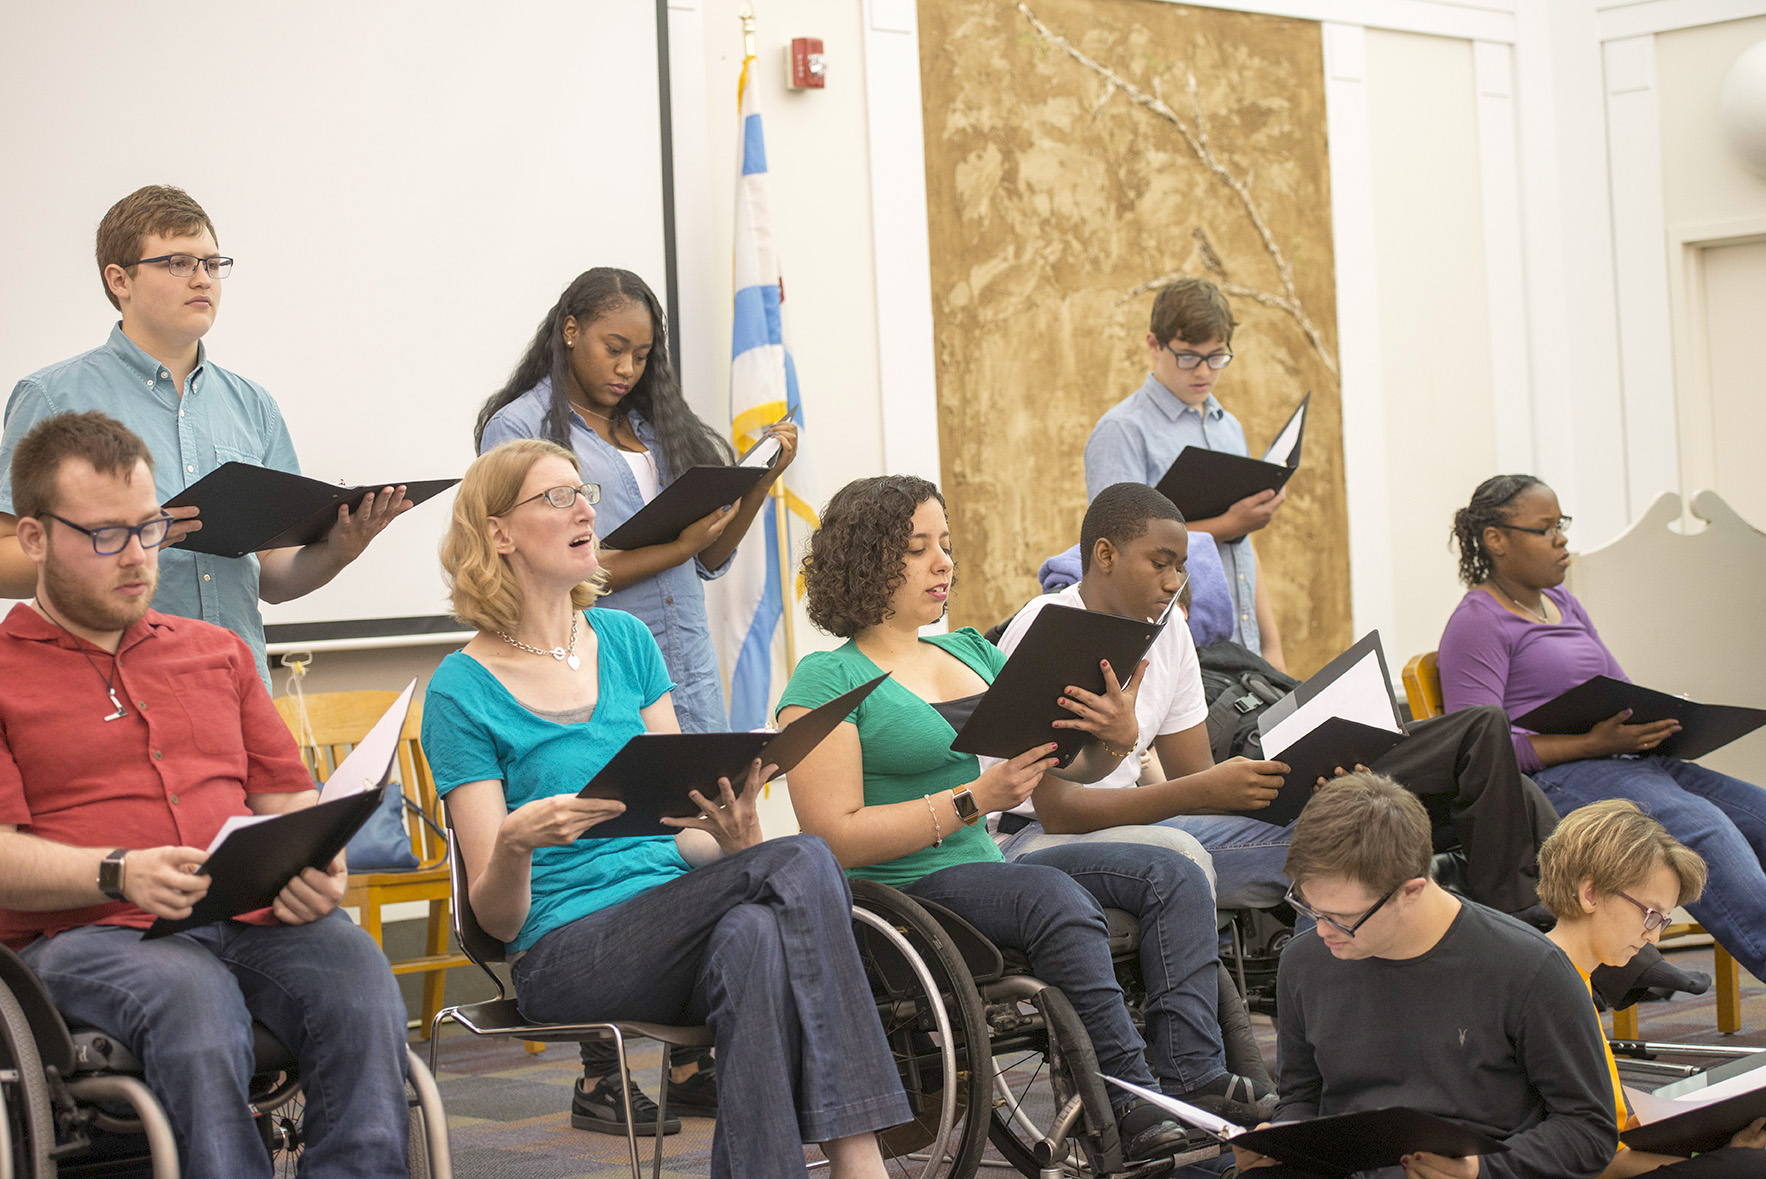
(127, 737)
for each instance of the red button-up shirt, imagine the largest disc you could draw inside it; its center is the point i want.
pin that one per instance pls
(199, 734)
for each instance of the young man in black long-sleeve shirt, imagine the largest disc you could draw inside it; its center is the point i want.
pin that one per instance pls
(1405, 995)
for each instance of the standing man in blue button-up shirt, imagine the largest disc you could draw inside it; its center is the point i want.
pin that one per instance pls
(1190, 339)
(161, 267)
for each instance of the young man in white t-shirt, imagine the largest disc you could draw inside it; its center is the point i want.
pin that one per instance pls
(1133, 547)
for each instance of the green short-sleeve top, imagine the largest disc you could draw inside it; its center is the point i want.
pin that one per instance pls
(905, 745)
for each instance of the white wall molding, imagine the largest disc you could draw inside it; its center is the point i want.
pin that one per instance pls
(1471, 20)
(1638, 18)
(1505, 272)
(1372, 589)
(909, 379)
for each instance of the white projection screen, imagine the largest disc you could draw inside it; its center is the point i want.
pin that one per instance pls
(406, 187)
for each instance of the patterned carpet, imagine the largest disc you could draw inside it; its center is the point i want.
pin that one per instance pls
(508, 1112)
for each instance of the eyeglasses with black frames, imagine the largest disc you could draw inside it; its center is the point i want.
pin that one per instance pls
(564, 496)
(111, 539)
(1560, 528)
(1301, 906)
(1189, 360)
(184, 265)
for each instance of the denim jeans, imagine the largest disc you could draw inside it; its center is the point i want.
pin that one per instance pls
(1050, 905)
(759, 947)
(184, 1006)
(1721, 818)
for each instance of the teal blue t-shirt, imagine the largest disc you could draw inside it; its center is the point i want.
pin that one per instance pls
(475, 731)
(905, 744)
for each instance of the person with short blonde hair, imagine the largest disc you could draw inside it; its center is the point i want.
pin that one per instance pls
(1404, 995)
(1612, 874)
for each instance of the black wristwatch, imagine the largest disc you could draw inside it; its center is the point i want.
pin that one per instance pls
(967, 811)
(110, 874)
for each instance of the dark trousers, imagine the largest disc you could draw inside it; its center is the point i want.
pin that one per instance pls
(1466, 759)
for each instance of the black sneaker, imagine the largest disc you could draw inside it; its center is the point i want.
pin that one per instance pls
(602, 1111)
(695, 1097)
(1238, 1100)
(1148, 1132)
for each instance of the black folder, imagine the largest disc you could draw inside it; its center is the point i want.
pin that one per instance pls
(1062, 646)
(1343, 1144)
(1334, 742)
(253, 863)
(691, 497)
(1205, 483)
(1703, 727)
(246, 509)
(653, 772)
(1702, 1127)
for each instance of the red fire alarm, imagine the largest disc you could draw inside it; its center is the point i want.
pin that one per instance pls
(806, 68)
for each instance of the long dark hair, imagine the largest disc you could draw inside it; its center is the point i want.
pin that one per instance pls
(683, 437)
(1485, 511)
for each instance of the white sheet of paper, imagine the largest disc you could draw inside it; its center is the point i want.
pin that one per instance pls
(764, 452)
(1200, 1118)
(1359, 694)
(234, 823)
(1282, 449)
(361, 770)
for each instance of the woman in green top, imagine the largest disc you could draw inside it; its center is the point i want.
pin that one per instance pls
(898, 805)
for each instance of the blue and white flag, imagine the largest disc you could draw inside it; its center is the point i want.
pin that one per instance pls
(763, 390)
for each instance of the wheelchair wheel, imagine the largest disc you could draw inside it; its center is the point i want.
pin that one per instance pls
(932, 1019)
(280, 1109)
(27, 1125)
(1049, 1098)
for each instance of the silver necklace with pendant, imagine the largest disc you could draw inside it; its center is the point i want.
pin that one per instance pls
(1539, 613)
(566, 655)
(109, 681)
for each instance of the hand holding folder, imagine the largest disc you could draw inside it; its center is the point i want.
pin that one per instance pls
(654, 774)
(246, 509)
(253, 857)
(696, 494)
(1206, 483)
(1703, 727)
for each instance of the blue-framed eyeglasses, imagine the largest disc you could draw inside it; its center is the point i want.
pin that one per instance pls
(112, 539)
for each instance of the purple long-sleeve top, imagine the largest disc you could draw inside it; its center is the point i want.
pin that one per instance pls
(1491, 656)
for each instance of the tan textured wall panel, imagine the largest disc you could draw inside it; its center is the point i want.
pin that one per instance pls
(1053, 194)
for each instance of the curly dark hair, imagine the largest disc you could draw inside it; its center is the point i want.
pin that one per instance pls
(1487, 509)
(856, 558)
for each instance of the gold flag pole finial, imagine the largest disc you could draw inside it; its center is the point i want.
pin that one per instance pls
(747, 16)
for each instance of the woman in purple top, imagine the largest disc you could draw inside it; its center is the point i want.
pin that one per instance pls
(1518, 639)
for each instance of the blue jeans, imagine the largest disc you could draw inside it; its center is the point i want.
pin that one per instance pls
(1246, 855)
(759, 947)
(184, 1006)
(1721, 818)
(1050, 905)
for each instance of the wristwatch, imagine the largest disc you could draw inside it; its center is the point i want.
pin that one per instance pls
(110, 874)
(967, 811)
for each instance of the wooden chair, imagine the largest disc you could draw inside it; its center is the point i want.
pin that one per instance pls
(335, 721)
(1422, 687)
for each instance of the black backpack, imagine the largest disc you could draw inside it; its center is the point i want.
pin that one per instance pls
(1238, 685)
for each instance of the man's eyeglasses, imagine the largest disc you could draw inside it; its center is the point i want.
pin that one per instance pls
(1653, 919)
(1189, 360)
(1301, 906)
(184, 265)
(1560, 528)
(563, 497)
(112, 539)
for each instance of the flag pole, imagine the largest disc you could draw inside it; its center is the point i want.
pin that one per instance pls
(787, 596)
(747, 17)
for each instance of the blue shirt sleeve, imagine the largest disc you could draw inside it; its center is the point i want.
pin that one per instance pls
(500, 429)
(28, 405)
(1113, 454)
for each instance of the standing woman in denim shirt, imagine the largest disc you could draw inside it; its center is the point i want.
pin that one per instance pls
(598, 380)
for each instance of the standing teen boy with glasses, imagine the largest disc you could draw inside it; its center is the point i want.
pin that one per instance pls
(1404, 995)
(1190, 341)
(162, 270)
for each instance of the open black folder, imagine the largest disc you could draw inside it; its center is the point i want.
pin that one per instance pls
(1346, 713)
(1709, 1126)
(1204, 483)
(246, 509)
(1063, 645)
(653, 772)
(692, 497)
(1703, 727)
(1339, 1144)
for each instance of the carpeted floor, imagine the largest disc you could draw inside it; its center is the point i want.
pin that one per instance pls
(508, 1112)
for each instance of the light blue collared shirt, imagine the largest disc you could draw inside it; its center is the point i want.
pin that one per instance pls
(222, 417)
(1137, 440)
(671, 604)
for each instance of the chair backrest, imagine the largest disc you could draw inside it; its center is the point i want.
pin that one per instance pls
(1422, 686)
(478, 945)
(335, 721)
